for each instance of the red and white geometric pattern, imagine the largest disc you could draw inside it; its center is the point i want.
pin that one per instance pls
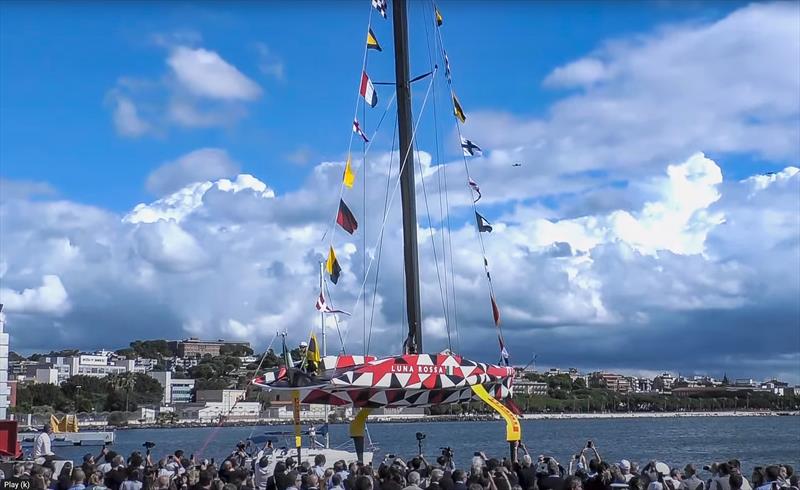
(414, 380)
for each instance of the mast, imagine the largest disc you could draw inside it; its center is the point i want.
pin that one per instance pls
(413, 343)
(324, 340)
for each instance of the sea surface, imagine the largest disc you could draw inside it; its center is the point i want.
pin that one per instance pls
(676, 441)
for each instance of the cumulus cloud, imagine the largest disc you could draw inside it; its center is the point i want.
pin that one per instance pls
(204, 73)
(197, 166)
(48, 299)
(230, 258)
(200, 89)
(726, 86)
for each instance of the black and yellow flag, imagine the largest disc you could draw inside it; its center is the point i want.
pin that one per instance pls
(332, 267)
(439, 18)
(372, 41)
(457, 110)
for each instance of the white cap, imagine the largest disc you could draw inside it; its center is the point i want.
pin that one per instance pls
(662, 469)
(303, 344)
(624, 464)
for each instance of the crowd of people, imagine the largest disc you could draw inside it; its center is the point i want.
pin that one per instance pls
(243, 470)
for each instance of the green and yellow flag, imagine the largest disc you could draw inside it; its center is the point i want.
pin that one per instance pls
(349, 176)
(457, 110)
(372, 41)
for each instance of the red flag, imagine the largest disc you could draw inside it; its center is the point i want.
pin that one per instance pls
(345, 218)
(495, 312)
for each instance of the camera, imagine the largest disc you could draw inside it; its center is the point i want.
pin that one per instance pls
(149, 445)
(420, 436)
(447, 452)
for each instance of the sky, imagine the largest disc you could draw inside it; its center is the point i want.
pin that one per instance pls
(169, 170)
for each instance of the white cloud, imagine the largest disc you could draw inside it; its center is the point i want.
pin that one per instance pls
(205, 74)
(199, 90)
(270, 64)
(48, 299)
(197, 166)
(126, 118)
(724, 87)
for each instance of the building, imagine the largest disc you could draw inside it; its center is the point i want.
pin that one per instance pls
(610, 381)
(776, 387)
(5, 389)
(663, 383)
(193, 347)
(745, 383)
(211, 405)
(526, 387)
(643, 385)
(176, 390)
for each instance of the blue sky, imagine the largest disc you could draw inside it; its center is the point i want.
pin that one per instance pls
(167, 170)
(59, 61)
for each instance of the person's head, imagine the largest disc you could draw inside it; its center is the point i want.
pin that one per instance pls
(289, 463)
(413, 478)
(109, 456)
(205, 478)
(552, 467)
(19, 469)
(136, 459)
(47, 429)
(675, 474)
(594, 466)
(336, 480)
(363, 483)
(772, 473)
(135, 474)
(724, 469)
(573, 483)
(527, 461)
(735, 481)
(319, 460)
(461, 476)
(312, 481)
(96, 479)
(294, 479)
(227, 465)
(757, 477)
(689, 470)
(263, 462)
(624, 466)
(78, 476)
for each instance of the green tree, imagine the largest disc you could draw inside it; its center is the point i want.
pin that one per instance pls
(236, 350)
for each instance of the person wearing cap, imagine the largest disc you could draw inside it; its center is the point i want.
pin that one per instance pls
(660, 478)
(625, 468)
(690, 480)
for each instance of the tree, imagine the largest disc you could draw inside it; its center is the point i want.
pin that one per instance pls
(31, 395)
(236, 350)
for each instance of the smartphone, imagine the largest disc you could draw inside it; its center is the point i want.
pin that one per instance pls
(477, 453)
(589, 444)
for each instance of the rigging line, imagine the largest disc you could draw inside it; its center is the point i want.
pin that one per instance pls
(355, 110)
(255, 375)
(435, 257)
(380, 241)
(335, 318)
(364, 232)
(394, 191)
(332, 226)
(440, 170)
(471, 195)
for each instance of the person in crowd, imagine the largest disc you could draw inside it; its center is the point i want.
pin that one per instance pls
(772, 476)
(690, 480)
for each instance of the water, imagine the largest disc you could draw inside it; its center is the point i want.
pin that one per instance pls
(676, 441)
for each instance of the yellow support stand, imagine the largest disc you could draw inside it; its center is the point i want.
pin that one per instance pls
(357, 429)
(298, 436)
(513, 429)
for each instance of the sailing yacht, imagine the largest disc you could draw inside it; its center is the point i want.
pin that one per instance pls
(412, 378)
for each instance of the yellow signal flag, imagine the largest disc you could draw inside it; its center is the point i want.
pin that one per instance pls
(349, 175)
(457, 110)
(439, 18)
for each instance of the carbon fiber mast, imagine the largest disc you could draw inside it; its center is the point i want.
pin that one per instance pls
(413, 343)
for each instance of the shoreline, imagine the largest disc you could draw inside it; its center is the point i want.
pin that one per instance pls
(447, 418)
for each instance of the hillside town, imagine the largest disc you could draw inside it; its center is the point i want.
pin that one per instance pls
(195, 381)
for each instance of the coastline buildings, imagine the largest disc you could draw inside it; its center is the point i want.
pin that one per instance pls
(193, 347)
(176, 390)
